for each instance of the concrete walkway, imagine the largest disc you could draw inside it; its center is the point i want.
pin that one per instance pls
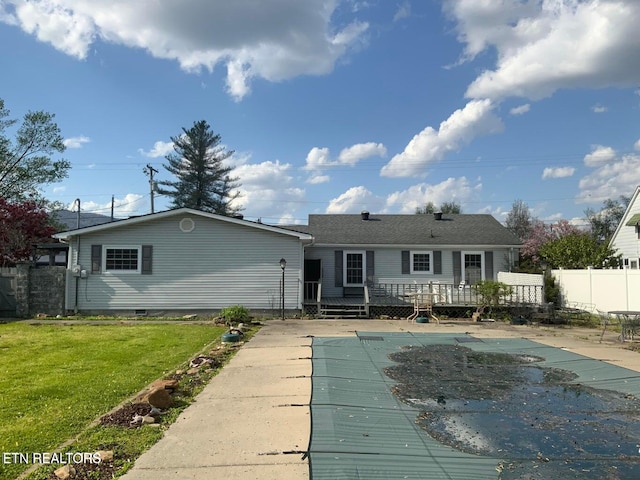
(252, 420)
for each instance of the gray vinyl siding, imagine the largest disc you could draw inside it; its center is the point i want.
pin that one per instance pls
(216, 265)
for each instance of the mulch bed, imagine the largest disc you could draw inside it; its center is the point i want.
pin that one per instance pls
(123, 416)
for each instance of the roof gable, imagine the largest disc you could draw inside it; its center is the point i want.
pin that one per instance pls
(416, 229)
(628, 217)
(176, 212)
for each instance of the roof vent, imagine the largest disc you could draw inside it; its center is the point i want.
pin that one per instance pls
(365, 215)
(438, 215)
(239, 216)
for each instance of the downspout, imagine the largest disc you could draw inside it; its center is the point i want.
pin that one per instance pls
(75, 306)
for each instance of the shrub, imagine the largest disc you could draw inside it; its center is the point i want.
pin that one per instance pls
(235, 314)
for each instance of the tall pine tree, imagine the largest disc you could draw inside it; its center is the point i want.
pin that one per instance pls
(203, 182)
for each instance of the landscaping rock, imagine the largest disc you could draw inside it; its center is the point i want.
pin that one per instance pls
(166, 384)
(148, 419)
(105, 455)
(66, 472)
(192, 371)
(159, 398)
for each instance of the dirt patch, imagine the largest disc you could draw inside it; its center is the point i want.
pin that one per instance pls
(509, 407)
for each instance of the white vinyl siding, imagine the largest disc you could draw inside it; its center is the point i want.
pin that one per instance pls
(627, 238)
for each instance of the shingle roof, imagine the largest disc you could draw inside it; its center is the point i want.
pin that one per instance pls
(453, 229)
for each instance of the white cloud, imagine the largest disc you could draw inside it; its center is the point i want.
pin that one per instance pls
(558, 172)
(355, 200)
(636, 145)
(457, 190)
(430, 145)
(268, 190)
(287, 39)
(319, 159)
(59, 189)
(130, 204)
(599, 109)
(520, 110)
(360, 151)
(546, 45)
(611, 178)
(599, 155)
(317, 179)
(160, 149)
(76, 142)
(404, 11)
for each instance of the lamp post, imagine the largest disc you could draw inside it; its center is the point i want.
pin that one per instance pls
(283, 265)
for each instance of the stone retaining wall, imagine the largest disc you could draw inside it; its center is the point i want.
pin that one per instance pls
(40, 290)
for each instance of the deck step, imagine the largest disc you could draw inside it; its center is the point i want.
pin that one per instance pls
(343, 311)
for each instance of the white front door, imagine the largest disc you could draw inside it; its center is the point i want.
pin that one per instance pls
(472, 267)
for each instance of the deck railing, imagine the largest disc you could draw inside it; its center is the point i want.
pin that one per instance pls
(451, 294)
(447, 293)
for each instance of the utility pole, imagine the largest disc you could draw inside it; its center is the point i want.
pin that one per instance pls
(149, 170)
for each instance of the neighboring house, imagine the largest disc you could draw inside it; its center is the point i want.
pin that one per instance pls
(382, 251)
(626, 238)
(182, 260)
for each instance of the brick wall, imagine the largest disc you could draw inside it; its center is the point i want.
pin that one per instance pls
(39, 290)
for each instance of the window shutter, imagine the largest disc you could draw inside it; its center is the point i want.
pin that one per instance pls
(457, 268)
(370, 266)
(437, 262)
(96, 258)
(488, 265)
(338, 268)
(406, 262)
(147, 259)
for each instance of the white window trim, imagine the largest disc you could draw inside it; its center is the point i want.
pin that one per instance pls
(482, 263)
(344, 267)
(421, 272)
(121, 247)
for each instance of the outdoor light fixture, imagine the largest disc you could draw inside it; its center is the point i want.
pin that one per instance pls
(283, 265)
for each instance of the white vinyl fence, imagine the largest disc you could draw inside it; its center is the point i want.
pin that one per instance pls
(527, 287)
(606, 289)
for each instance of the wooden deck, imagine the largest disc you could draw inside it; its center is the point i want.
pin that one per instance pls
(398, 299)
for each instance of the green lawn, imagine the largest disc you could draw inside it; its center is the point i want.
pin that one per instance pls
(55, 380)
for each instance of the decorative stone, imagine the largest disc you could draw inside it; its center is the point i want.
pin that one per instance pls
(159, 398)
(148, 419)
(65, 472)
(179, 372)
(105, 455)
(192, 371)
(166, 384)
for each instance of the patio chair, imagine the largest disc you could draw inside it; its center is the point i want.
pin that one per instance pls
(605, 320)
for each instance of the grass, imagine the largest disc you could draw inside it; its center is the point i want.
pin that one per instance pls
(55, 380)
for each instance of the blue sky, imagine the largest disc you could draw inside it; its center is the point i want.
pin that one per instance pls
(335, 106)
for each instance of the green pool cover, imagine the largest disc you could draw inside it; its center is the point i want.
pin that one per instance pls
(360, 429)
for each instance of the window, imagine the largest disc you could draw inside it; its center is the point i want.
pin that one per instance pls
(472, 267)
(421, 262)
(354, 268)
(122, 259)
(634, 264)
